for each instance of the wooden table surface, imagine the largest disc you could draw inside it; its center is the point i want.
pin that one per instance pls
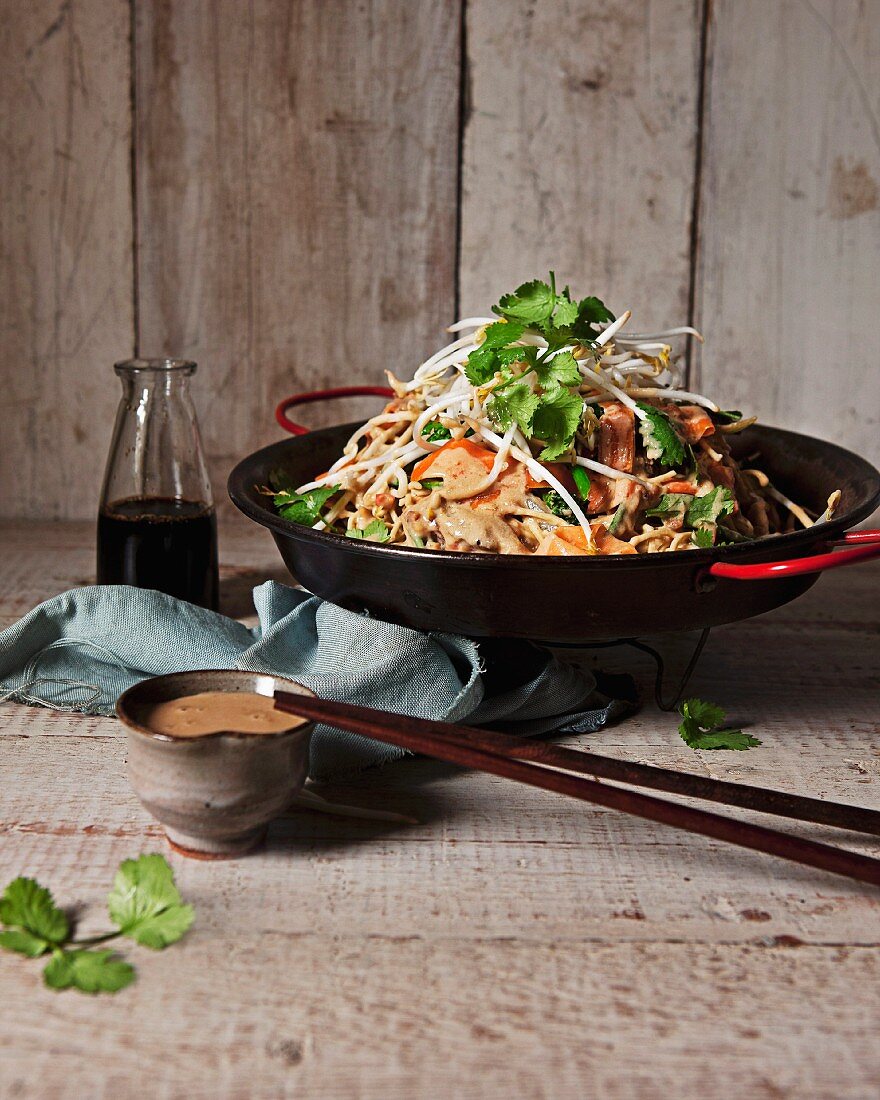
(511, 944)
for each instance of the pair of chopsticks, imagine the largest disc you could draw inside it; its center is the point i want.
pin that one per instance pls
(544, 765)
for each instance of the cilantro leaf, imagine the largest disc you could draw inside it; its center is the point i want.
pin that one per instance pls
(146, 904)
(700, 728)
(704, 537)
(375, 531)
(304, 507)
(670, 502)
(532, 303)
(25, 943)
(706, 509)
(27, 906)
(514, 405)
(436, 432)
(556, 419)
(660, 437)
(483, 364)
(501, 333)
(562, 370)
(591, 311)
(90, 971)
(558, 506)
(566, 311)
(581, 480)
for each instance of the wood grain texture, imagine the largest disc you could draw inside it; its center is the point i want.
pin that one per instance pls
(65, 248)
(787, 284)
(510, 943)
(579, 151)
(296, 198)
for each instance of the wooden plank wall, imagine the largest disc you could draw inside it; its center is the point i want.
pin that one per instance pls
(320, 184)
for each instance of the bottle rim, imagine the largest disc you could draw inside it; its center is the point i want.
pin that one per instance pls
(130, 366)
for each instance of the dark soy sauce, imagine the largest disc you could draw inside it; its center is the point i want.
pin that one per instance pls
(169, 545)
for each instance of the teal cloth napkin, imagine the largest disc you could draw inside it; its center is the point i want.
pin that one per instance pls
(79, 651)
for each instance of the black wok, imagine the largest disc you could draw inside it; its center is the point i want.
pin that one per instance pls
(567, 600)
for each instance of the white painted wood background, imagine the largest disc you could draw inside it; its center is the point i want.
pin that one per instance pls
(303, 192)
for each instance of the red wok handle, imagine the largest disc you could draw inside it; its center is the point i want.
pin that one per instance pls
(796, 566)
(322, 395)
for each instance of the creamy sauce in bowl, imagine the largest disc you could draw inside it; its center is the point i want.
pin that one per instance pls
(209, 712)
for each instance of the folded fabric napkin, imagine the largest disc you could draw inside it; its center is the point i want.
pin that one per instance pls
(80, 650)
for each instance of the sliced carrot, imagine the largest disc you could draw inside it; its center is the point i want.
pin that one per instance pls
(482, 454)
(572, 542)
(686, 488)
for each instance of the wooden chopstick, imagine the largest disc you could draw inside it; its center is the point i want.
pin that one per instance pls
(799, 807)
(442, 741)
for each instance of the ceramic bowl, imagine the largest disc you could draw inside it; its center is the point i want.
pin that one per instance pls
(215, 794)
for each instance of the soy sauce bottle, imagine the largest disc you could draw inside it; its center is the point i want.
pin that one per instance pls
(156, 525)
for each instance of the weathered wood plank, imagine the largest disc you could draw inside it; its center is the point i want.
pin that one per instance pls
(244, 1013)
(787, 286)
(579, 151)
(477, 865)
(296, 198)
(65, 248)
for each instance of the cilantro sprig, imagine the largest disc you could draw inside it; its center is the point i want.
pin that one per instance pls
(375, 531)
(662, 441)
(549, 407)
(144, 904)
(304, 507)
(701, 728)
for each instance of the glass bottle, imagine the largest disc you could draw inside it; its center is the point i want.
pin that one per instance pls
(156, 525)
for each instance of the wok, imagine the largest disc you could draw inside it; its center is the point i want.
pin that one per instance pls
(579, 599)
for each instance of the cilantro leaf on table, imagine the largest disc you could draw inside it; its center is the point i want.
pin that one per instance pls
(706, 509)
(89, 971)
(556, 419)
(661, 439)
(146, 904)
(29, 908)
(514, 405)
(304, 507)
(375, 531)
(435, 432)
(700, 728)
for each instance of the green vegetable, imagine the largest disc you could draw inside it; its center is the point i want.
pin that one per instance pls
(90, 971)
(700, 728)
(616, 518)
(304, 507)
(660, 437)
(37, 922)
(730, 416)
(561, 370)
(558, 506)
(555, 421)
(515, 405)
(431, 483)
(581, 481)
(556, 316)
(706, 509)
(376, 531)
(670, 502)
(144, 904)
(436, 432)
(704, 537)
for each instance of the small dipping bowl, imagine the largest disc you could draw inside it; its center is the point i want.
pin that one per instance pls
(214, 793)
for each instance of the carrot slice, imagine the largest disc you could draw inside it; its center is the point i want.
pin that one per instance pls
(572, 542)
(482, 454)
